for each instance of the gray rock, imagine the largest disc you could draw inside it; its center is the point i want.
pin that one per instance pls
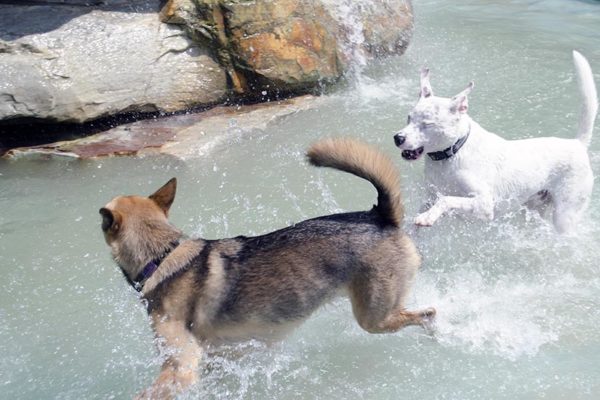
(74, 64)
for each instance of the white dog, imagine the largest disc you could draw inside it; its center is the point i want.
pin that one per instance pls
(473, 171)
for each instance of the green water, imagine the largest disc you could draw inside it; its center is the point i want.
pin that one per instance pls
(518, 306)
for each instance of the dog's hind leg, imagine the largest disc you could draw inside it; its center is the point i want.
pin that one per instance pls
(570, 202)
(377, 292)
(567, 215)
(401, 318)
(374, 314)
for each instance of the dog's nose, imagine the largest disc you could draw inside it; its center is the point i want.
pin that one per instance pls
(399, 139)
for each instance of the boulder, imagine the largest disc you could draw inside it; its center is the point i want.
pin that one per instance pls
(372, 28)
(287, 43)
(70, 63)
(293, 45)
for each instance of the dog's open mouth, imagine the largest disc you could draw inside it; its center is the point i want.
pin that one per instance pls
(412, 154)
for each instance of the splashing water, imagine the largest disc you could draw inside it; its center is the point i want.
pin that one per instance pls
(347, 13)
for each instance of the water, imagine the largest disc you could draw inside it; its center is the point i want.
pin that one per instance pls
(517, 304)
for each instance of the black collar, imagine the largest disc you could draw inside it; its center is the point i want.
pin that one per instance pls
(151, 267)
(450, 151)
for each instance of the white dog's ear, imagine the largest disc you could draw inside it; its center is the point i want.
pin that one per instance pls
(460, 102)
(426, 90)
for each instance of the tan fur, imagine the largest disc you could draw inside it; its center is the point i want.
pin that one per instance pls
(143, 232)
(360, 159)
(209, 291)
(177, 260)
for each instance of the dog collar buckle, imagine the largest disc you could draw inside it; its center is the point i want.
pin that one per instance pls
(145, 274)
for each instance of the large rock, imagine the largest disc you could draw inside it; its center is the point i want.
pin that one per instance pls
(286, 41)
(72, 63)
(79, 60)
(291, 45)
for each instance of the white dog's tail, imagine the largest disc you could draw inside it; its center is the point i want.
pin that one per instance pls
(360, 159)
(590, 98)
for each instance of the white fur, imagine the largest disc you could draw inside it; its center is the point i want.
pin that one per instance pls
(489, 174)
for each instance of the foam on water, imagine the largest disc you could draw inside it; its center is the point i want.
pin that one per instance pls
(507, 294)
(503, 318)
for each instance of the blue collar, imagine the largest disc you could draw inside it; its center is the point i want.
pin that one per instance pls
(151, 267)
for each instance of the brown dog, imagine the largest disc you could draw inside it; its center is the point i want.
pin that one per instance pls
(201, 291)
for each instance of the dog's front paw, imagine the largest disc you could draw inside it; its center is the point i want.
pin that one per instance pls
(158, 392)
(425, 219)
(169, 384)
(428, 320)
(428, 313)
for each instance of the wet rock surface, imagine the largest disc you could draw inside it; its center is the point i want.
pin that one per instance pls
(183, 136)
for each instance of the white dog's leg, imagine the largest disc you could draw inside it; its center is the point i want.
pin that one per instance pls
(571, 200)
(565, 220)
(568, 214)
(479, 206)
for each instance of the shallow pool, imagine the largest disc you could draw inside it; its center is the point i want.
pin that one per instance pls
(518, 305)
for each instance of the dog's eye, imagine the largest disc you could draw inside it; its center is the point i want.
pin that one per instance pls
(408, 120)
(427, 124)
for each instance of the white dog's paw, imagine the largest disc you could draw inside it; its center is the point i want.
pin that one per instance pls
(425, 219)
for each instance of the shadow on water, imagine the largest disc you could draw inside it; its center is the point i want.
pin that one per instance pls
(28, 17)
(25, 132)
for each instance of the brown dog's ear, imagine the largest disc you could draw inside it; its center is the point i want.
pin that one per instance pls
(164, 196)
(111, 220)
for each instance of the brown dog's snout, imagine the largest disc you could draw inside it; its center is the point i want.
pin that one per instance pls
(399, 139)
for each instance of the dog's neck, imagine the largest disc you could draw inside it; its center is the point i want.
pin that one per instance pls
(177, 260)
(136, 252)
(151, 267)
(465, 128)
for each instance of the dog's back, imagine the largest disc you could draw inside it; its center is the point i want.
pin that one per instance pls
(285, 275)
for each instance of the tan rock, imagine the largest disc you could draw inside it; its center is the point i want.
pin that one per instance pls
(287, 42)
(293, 45)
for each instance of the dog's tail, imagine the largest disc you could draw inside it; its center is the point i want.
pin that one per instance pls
(590, 98)
(364, 161)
